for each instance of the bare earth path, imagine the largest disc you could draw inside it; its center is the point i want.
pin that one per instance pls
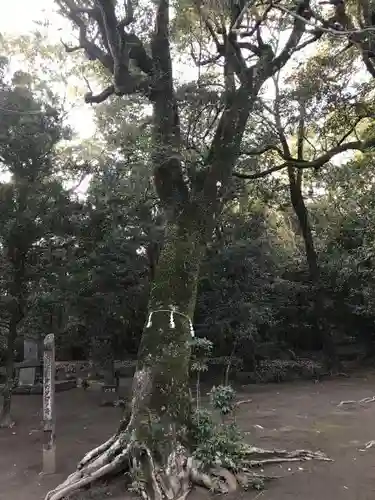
(300, 415)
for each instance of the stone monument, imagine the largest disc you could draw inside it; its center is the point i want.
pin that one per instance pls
(49, 369)
(29, 368)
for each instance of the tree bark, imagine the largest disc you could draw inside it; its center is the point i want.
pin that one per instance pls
(164, 353)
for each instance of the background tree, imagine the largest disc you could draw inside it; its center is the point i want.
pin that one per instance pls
(290, 140)
(33, 203)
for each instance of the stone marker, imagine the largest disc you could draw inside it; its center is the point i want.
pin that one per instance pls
(49, 446)
(30, 349)
(27, 373)
(26, 376)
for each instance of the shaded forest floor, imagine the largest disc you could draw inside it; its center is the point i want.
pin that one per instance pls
(298, 415)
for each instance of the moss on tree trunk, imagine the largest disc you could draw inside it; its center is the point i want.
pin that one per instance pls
(160, 392)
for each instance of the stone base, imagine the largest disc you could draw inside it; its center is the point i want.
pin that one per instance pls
(60, 385)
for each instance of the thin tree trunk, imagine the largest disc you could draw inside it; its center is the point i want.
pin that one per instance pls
(298, 203)
(6, 418)
(329, 348)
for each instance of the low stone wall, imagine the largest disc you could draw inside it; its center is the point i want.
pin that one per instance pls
(125, 368)
(60, 385)
(81, 368)
(73, 368)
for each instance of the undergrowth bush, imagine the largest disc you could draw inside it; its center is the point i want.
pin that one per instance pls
(279, 370)
(217, 442)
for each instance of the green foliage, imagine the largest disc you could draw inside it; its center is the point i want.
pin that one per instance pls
(223, 399)
(221, 448)
(201, 351)
(35, 209)
(217, 443)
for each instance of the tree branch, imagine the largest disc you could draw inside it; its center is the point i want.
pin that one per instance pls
(301, 130)
(121, 46)
(350, 131)
(262, 150)
(295, 36)
(225, 147)
(332, 31)
(90, 98)
(129, 15)
(72, 11)
(137, 53)
(369, 65)
(276, 112)
(317, 163)
(119, 53)
(260, 175)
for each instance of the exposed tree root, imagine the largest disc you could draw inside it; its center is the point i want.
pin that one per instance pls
(352, 402)
(368, 445)
(173, 480)
(256, 457)
(243, 402)
(6, 422)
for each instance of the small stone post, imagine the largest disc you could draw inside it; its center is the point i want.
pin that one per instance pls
(49, 446)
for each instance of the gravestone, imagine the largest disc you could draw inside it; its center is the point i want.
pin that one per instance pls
(30, 349)
(27, 375)
(28, 368)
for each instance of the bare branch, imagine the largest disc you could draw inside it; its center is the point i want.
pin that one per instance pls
(91, 98)
(295, 36)
(205, 62)
(260, 175)
(250, 33)
(120, 55)
(129, 15)
(210, 28)
(70, 49)
(351, 130)
(332, 31)
(317, 163)
(262, 150)
(93, 52)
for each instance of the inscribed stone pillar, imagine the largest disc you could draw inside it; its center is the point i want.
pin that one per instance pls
(49, 446)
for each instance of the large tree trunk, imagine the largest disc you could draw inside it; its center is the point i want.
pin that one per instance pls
(165, 347)
(6, 418)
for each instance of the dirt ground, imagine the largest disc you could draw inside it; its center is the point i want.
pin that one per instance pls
(299, 415)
